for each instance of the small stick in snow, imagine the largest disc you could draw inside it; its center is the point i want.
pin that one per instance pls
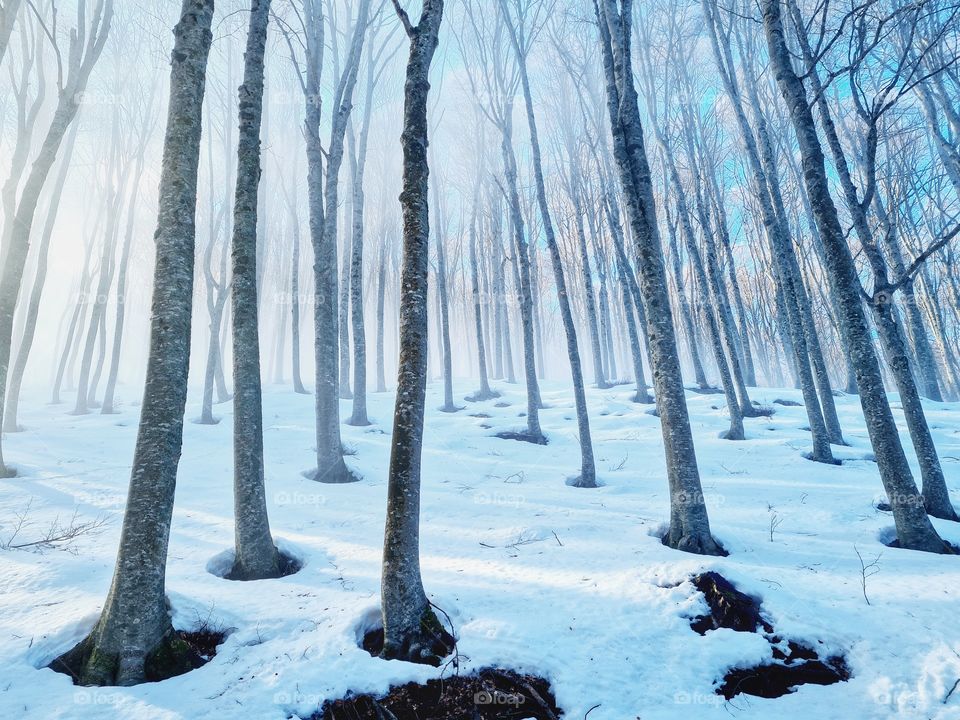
(947, 696)
(867, 571)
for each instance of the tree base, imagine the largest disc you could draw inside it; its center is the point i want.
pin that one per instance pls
(359, 421)
(286, 565)
(696, 543)
(827, 459)
(733, 434)
(580, 481)
(450, 408)
(176, 654)
(428, 644)
(335, 474)
(937, 547)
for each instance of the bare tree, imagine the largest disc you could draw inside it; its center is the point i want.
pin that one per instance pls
(411, 629)
(135, 625)
(85, 49)
(914, 530)
(689, 524)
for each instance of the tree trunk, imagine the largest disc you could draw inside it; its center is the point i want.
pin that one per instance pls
(588, 473)
(256, 556)
(331, 467)
(411, 629)
(134, 627)
(689, 524)
(381, 294)
(914, 530)
(10, 423)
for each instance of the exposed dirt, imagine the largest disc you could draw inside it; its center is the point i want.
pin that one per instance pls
(776, 679)
(795, 662)
(487, 694)
(523, 436)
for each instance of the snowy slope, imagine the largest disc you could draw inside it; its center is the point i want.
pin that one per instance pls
(538, 576)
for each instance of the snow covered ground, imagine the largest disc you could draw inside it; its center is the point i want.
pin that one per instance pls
(538, 576)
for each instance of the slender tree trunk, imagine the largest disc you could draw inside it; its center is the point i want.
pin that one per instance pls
(914, 530)
(331, 467)
(256, 556)
(295, 306)
(381, 294)
(588, 473)
(10, 413)
(484, 393)
(411, 629)
(689, 524)
(134, 626)
(18, 244)
(523, 284)
(121, 304)
(358, 159)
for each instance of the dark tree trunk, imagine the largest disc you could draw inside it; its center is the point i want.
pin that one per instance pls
(411, 629)
(135, 625)
(256, 555)
(689, 524)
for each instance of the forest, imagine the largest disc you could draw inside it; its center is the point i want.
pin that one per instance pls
(479, 359)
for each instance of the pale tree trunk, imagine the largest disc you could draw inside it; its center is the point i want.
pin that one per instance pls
(786, 269)
(935, 495)
(381, 298)
(631, 302)
(411, 629)
(331, 467)
(256, 556)
(588, 473)
(121, 304)
(134, 627)
(8, 16)
(914, 530)
(343, 314)
(591, 311)
(358, 160)
(81, 63)
(295, 298)
(27, 110)
(484, 393)
(76, 321)
(523, 284)
(217, 290)
(98, 307)
(11, 411)
(689, 524)
(443, 302)
(686, 313)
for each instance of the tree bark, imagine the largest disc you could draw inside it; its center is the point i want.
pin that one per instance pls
(411, 629)
(689, 524)
(256, 556)
(134, 627)
(914, 530)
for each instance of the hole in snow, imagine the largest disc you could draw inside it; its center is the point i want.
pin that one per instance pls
(794, 662)
(487, 694)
